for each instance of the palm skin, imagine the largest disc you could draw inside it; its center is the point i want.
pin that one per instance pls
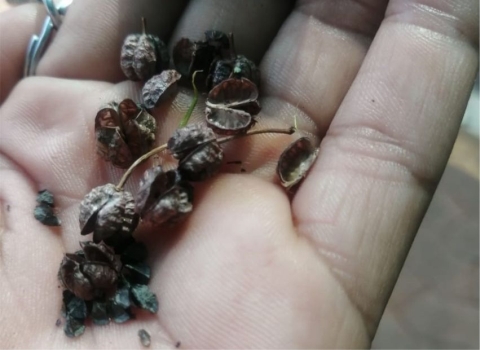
(250, 267)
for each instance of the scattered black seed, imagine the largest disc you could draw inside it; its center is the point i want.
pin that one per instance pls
(8, 207)
(144, 298)
(58, 323)
(45, 215)
(45, 197)
(134, 253)
(99, 313)
(242, 170)
(137, 273)
(74, 328)
(144, 337)
(178, 344)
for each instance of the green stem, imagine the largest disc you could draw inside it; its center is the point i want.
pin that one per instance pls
(187, 115)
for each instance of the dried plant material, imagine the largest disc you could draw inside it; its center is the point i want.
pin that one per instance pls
(144, 337)
(119, 305)
(235, 93)
(137, 273)
(143, 55)
(163, 197)
(99, 313)
(221, 70)
(43, 212)
(90, 275)
(45, 197)
(295, 162)
(218, 40)
(107, 212)
(75, 312)
(246, 68)
(202, 163)
(134, 253)
(160, 88)
(124, 132)
(227, 121)
(185, 140)
(144, 298)
(190, 56)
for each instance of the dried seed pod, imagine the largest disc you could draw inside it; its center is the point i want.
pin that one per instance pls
(228, 121)
(190, 56)
(163, 197)
(124, 132)
(235, 93)
(218, 40)
(295, 162)
(185, 140)
(160, 87)
(202, 163)
(142, 56)
(107, 211)
(87, 277)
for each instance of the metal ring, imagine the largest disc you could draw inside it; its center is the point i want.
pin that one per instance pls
(38, 43)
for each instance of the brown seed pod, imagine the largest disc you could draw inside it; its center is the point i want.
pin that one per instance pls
(91, 273)
(228, 121)
(203, 162)
(160, 88)
(295, 162)
(190, 56)
(107, 211)
(185, 140)
(163, 197)
(235, 93)
(124, 132)
(142, 56)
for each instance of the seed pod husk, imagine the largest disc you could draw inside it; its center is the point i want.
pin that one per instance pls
(160, 88)
(190, 56)
(142, 56)
(107, 211)
(228, 121)
(296, 161)
(91, 274)
(185, 140)
(163, 197)
(124, 132)
(202, 163)
(235, 93)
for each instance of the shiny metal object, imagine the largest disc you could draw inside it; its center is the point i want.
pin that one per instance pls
(38, 43)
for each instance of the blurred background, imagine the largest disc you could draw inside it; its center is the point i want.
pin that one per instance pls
(435, 304)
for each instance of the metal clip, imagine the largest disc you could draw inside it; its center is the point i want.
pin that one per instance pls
(38, 43)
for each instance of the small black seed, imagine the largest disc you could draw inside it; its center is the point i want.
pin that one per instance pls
(144, 337)
(45, 215)
(75, 307)
(99, 313)
(144, 298)
(178, 344)
(242, 170)
(118, 307)
(137, 273)
(58, 323)
(8, 207)
(74, 327)
(136, 252)
(122, 297)
(45, 197)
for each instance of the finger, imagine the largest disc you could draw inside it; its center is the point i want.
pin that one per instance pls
(254, 23)
(17, 26)
(388, 145)
(89, 41)
(308, 69)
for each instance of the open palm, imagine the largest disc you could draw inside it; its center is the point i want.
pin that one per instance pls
(250, 268)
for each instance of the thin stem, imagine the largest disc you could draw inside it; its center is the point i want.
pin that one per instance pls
(288, 131)
(144, 25)
(233, 53)
(187, 115)
(138, 162)
(225, 139)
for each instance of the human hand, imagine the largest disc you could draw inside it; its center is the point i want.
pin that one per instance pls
(248, 268)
